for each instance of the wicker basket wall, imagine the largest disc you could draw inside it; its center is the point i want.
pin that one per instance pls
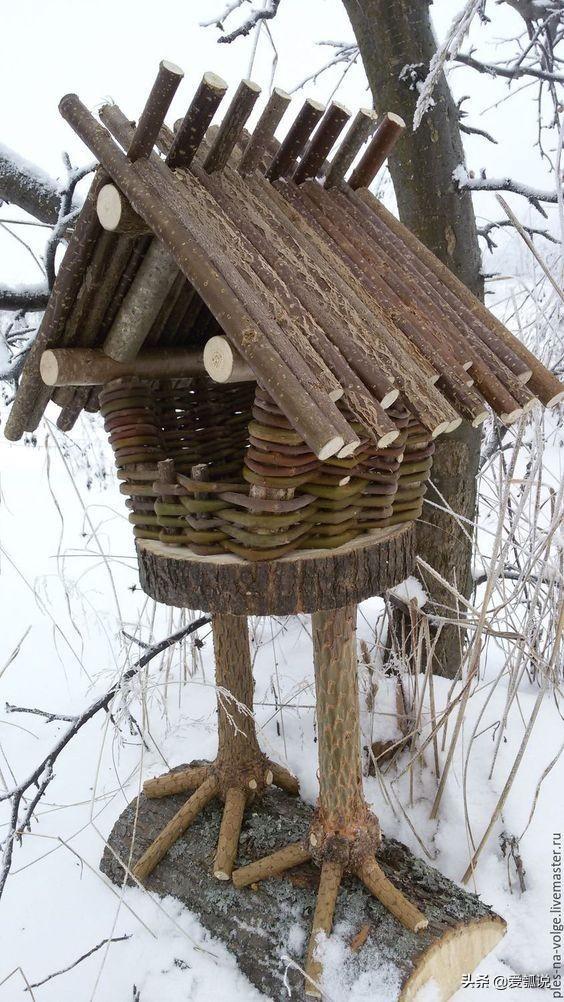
(243, 481)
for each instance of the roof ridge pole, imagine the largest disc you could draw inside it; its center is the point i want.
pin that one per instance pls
(361, 128)
(294, 142)
(322, 142)
(230, 130)
(381, 145)
(193, 126)
(263, 134)
(152, 117)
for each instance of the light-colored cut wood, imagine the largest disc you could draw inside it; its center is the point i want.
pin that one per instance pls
(223, 364)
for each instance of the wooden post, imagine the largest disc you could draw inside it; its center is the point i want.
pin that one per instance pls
(322, 141)
(263, 133)
(194, 125)
(91, 367)
(153, 114)
(381, 145)
(294, 142)
(361, 128)
(232, 125)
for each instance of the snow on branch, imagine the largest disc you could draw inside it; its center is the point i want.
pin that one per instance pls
(509, 72)
(24, 184)
(23, 297)
(458, 31)
(35, 785)
(535, 196)
(255, 17)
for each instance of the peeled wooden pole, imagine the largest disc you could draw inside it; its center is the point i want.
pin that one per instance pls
(91, 367)
(142, 303)
(360, 129)
(264, 130)
(381, 145)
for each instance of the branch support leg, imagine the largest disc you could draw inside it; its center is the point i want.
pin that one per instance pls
(240, 772)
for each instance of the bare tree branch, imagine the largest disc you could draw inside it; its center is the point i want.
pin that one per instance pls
(535, 196)
(109, 939)
(30, 297)
(533, 231)
(42, 775)
(255, 17)
(513, 72)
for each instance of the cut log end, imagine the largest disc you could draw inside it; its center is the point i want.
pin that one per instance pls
(441, 429)
(556, 399)
(49, 368)
(396, 119)
(390, 398)
(214, 81)
(388, 438)
(453, 425)
(109, 207)
(251, 85)
(223, 364)
(348, 449)
(480, 418)
(511, 416)
(331, 448)
(172, 68)
(447, 960)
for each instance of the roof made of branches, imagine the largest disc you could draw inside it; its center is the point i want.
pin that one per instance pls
(286, 253)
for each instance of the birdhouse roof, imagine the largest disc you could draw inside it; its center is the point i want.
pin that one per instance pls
(319, 290)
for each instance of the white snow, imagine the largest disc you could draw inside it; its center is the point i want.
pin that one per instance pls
(411, 590)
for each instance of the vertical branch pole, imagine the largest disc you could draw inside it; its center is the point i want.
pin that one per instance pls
(338, 728)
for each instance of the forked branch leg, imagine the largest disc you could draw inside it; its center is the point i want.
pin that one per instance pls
(240, 772)
(344, 835)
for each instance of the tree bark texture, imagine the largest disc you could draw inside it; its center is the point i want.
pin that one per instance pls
(392, 36)
(302, 582)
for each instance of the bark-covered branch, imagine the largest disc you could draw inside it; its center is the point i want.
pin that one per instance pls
(533, 231)
(23, 297)
(255, 17)
(464, 181)
(24, 184)
(41, 776)
(509, 72)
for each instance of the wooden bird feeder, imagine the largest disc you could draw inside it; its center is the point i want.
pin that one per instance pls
(273, 355)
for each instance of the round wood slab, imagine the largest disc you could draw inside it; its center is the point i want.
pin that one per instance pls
(301, 582)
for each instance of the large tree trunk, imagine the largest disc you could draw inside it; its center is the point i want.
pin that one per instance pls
(392, 36)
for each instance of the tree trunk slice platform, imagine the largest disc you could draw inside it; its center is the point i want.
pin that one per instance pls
(257, 926)
(300, 582)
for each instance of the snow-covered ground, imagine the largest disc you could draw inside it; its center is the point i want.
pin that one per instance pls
(69, 588)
